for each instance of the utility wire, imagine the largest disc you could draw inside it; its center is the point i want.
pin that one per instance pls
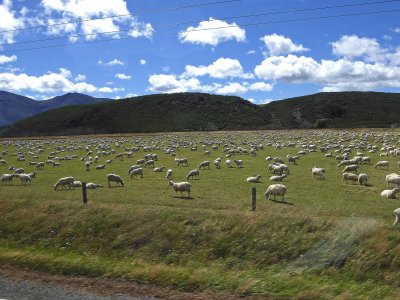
(215, 28)
(194, 22)
(155, 11)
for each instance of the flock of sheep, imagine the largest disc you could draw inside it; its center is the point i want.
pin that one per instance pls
(350, 150)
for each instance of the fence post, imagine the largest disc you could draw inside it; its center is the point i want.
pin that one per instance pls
(84, 194)
(253, 198)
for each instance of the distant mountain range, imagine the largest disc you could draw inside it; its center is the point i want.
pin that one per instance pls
(202, 112)
(14, 107)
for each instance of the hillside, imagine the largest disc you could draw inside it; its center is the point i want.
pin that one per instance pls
(14, 107)
(199, 112)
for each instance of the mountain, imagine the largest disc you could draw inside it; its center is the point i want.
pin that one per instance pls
(200, 112)
(14, 107)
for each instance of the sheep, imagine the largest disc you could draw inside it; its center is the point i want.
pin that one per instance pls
(278, 178)
(350, 168)
(133, 168)
(169, 174)
(348, 162)
(396, 216)
(239, 163)
(3, 162)
(254, 179)
(109, 161)
(65, 181)
(19, 171)
(140, 161)
(182, 161)
(8, 178)
(276, 190)
(318, 173)
(40, 165)
(77, 183)
(159, 169)
(363, 179)
(87, 165)
(180, 187)
(114, 178)
(292, 159)
(100, 167)
(382, 163)
(193, 173)
(136, 172)
(390, 194)
(149, 163)
(349, 176)
(204, 164)
(366, 159)
(24, 179)
(393, 178)
(217, 164)
(92, 186)
(229, 163)
(32, 175)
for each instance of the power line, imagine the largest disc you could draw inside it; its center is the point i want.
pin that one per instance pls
(161, 10)
(214, 28)
(194, 22)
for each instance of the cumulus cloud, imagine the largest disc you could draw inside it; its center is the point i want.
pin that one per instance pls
(142, 62)
(279, 44)
(352, 46)
(221, 68)
(231, 88)
(171, 84)
(9, 21)
(113, 62)
(7, 59)
(261, 86)
(123, 76)
(212, 32)
(80, 77)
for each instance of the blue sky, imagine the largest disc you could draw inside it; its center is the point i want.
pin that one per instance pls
(179, 46)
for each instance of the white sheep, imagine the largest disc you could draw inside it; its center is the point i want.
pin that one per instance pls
(396, 216)
(382, 163)
(136, 172)
(92, 186)
(318, 173)
(363, 179)
(254, 179)
(204, 164)
(229, 163)
(114, 178)
(65, 181)
(393, 178)
(40, 165)
(349, 177)
(193, 173)
(278, 177)
(8, 178)
(149, 163)
(100, 167)
(133, 168)
(180, 187)
(77, 183)
(25, 178)
(239, 163)
(390, 194)
(182, 161)
(217, 164)
(169, 174)
(276, 190)
(350, 168)
(159, 169)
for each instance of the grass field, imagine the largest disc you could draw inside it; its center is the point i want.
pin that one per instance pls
(331, 240)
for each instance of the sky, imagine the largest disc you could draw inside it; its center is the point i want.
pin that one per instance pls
(260, 50)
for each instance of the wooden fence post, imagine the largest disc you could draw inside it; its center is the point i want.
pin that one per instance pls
(253, 198)
(84, 194)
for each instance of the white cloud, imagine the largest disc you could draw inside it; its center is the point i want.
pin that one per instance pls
(212, 32)
(232, 88)
(9, 21)
(142, 62)
(114, 62)
(221, 68)
(279, 44)
(170, 84)
(130, 95)
(261, 86)
(123, 76)
(7, 59)
(251, 52)
(80, 77)
(353, 46)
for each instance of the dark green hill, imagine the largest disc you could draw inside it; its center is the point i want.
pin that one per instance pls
(197, 112)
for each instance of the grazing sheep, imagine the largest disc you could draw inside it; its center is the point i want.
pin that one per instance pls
(254, 179)
(136, 172)
(169, 174)
(363, 179)
(77, 183)
(292, 159)
(87, 165)
(278, 177)
(229, 163)
(40, 165)
(159, 169)
(8, 178)
(25, 178)
(350, 168)
(276, 190)
(65, 181)
(19, 171)
(3, 162)
(193, 173)
(366, 159)
(349, 176)
(204, 164)
(114, 178)
(239, 163)
(100, 167)
(140, 161)
(149, 163)
(393, 178)
(396, 216)
(180, 187)
(133, 168)
(381, 164)
(390, 194)
(217, 164)
(182, 161)
(93, 186)
(109, 161)
(318, 173)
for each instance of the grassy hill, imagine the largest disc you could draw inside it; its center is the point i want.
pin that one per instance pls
(198, 112)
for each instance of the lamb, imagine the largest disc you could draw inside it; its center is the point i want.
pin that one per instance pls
(92, 186)
(180, 187)
(276, 190)
(204, 164)
(349, 176)
(65, 181)
(114, 178)
(254, 179)
(382, 163)
(169, 174)
(278, 178)
(350, 168)
(159, 169)
(239, 163)
(393, 178)
(390, 194)
(363, 179)
(136, 172)
(193, 173)
(396, 216)
(100, 167)
(318, 173)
